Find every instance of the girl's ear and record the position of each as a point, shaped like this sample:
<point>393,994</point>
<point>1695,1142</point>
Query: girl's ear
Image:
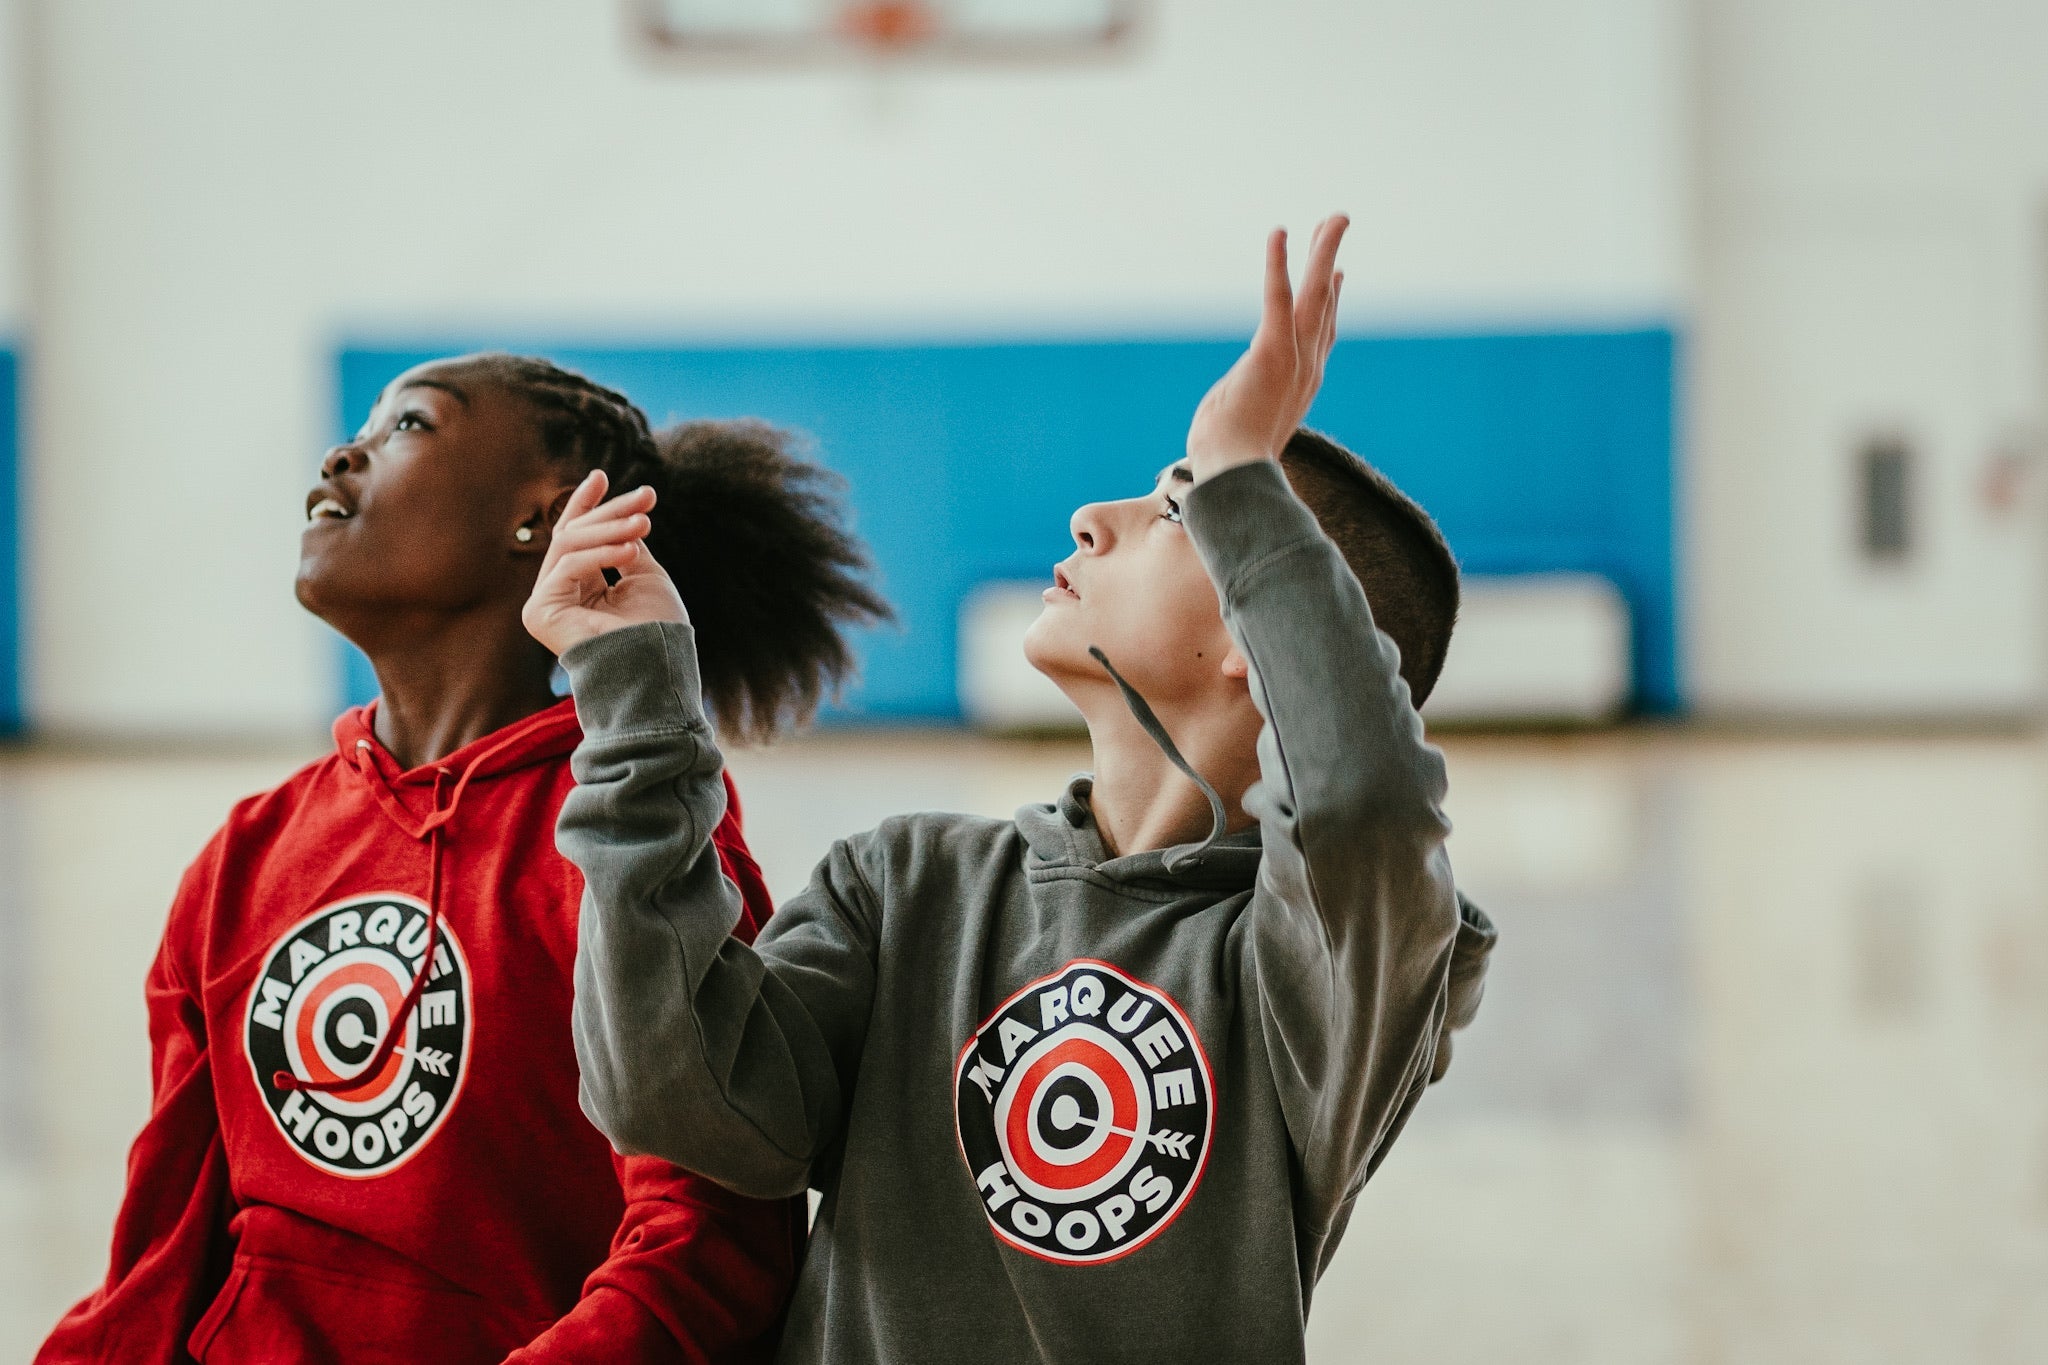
<point>553,513</point>
<point>1235,666</point>
<point>531,536</point>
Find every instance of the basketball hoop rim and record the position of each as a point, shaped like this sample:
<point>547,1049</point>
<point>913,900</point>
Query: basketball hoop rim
<point>1109,43</point>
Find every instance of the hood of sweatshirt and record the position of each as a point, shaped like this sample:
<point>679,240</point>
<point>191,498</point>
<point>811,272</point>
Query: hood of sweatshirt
<point>1065,834</point>
<point>540,738</point>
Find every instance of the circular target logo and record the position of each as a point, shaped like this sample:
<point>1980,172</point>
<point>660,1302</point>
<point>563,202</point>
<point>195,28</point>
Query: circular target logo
<point>330,988</point>
<point>1085,1109</point>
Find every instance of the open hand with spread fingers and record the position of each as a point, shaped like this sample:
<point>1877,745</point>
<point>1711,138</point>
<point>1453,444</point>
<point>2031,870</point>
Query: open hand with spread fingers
<point>573,601</point>
<point>1253,410</point>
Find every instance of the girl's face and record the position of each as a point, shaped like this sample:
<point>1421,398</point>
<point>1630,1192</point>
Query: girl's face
<point>421,512</point>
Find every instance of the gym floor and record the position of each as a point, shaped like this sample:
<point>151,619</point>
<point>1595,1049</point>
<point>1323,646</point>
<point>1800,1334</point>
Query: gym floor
<point>1759,1077</point>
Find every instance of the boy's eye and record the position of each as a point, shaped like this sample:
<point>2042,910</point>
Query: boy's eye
<point>1172,512</point>
<point>412,420</point>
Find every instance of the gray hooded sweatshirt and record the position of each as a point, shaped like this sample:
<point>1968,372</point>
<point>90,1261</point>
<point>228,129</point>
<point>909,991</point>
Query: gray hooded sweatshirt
<point>1058,1105</point>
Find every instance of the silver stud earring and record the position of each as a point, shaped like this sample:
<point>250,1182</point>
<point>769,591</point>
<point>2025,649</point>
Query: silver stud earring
<point>523,534</point>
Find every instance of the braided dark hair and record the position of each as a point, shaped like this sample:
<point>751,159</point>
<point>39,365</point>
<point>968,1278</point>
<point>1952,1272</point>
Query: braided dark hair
<point>753,535</point>
<point>582,423</point>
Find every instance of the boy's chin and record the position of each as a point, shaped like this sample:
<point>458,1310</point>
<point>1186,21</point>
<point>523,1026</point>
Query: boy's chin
<point>1048,649</point>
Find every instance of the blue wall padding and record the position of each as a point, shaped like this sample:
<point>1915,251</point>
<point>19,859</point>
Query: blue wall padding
<point>12,606</point>
<point>1535,452</point>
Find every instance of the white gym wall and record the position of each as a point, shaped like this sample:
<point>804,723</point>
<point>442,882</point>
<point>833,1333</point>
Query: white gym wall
<point>13,176</point>
<point>1874,183</point>
<point>230,189</point>
<point>1840,203</point>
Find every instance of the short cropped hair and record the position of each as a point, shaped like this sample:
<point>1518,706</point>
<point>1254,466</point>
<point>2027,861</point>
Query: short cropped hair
<point>1395,551</point>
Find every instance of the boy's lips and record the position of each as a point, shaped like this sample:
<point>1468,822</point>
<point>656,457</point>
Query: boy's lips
<point>1062,589</point>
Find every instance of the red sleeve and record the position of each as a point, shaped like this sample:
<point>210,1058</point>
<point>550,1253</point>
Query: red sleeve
<point>696,1273</point>
<point>755,903</point>
<point>735,818</point>
<point>171,1250</point>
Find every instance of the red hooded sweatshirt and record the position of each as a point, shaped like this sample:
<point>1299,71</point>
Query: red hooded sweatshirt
<point>444,1199</point>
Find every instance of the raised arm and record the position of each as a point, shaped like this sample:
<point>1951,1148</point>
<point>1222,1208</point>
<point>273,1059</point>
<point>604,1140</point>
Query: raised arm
<point>1354,917</point>
<point>693,1046</point>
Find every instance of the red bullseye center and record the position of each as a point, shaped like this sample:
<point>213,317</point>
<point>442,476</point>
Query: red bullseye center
<point>312,1017</point>
<point>1091,1057</point>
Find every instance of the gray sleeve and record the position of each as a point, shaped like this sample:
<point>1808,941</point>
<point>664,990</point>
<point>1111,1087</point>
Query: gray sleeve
<point>1354,917</point>
<point>729,1060</point>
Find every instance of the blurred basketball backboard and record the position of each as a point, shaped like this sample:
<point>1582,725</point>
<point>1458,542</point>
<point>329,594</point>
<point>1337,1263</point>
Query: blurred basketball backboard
<point>781,31</point>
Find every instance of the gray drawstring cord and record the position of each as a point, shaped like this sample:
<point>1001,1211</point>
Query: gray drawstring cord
<point>1150,723</point>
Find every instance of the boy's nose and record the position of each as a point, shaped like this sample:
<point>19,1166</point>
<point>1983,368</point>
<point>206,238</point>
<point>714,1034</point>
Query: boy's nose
<point>341,460</point>
<point>1090,526</point>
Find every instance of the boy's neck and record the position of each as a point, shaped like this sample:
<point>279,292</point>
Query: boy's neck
<point>454,682</point>
<point>1140,800</point>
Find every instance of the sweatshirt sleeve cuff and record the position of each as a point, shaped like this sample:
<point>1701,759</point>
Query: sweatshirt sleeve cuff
<point>1244,516</point>
<point>638,678</point>
<point>606,1324</point>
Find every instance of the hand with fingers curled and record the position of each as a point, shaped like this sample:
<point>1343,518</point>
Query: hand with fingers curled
<point>1260,403</point>
<point>573,600</point>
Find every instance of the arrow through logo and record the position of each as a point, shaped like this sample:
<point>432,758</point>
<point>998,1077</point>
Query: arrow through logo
<point>1066,1112</point>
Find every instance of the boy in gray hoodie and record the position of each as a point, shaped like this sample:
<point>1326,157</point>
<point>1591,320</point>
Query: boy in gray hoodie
<point>1104,1081</point>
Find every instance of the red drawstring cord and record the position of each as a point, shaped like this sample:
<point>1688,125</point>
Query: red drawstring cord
<point>431,830</point>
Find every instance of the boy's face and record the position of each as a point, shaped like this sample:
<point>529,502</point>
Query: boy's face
<point>1134,588</point>
<point>421,509</point>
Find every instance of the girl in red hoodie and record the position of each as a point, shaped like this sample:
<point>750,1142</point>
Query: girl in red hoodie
<point>365,1144</point>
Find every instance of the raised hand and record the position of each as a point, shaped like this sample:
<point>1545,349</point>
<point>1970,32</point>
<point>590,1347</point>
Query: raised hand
<point>1253,410</point>
<point>572,601</point>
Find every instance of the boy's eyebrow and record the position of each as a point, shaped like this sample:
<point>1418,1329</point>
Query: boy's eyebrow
<point>1179,473</point>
